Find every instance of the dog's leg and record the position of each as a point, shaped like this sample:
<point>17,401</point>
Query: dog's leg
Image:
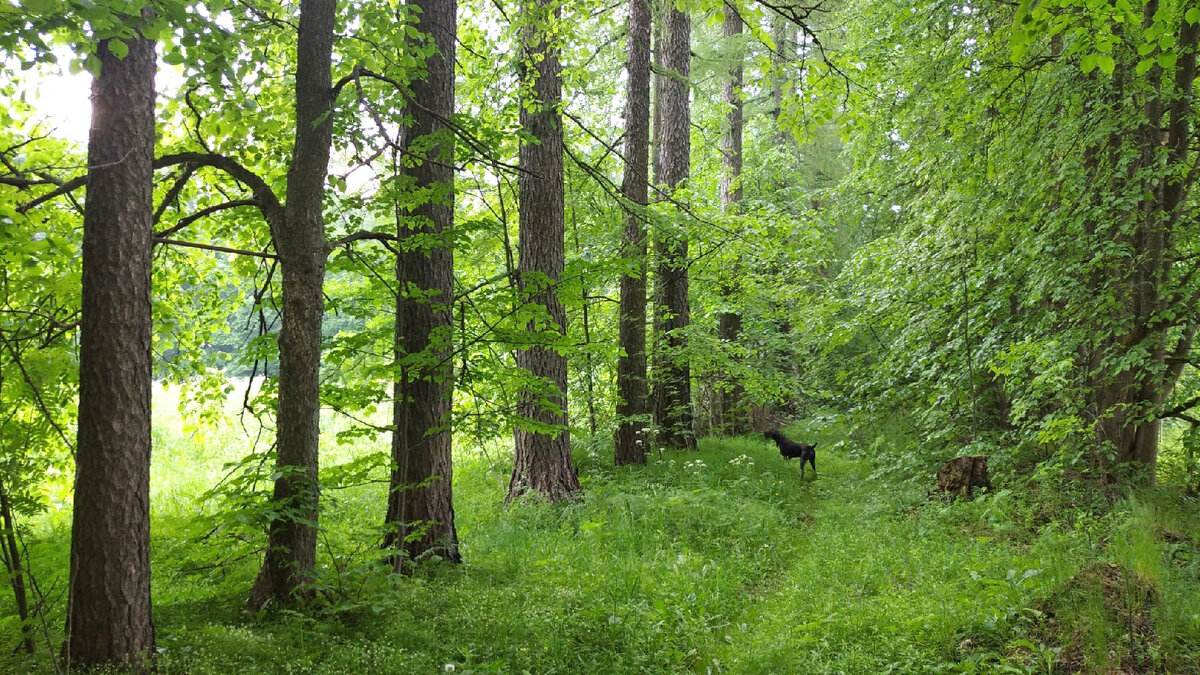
<point>812,459</point>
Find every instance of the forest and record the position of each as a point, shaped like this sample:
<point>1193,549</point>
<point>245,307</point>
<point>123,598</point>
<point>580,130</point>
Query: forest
<point>412,336</point>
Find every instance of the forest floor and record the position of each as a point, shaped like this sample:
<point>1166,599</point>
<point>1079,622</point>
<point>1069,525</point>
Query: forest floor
<point>721,560</point>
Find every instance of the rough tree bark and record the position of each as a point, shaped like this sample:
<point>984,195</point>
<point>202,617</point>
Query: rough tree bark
<point>672,378</point>
<point>543,458</point>
<point>729,322</point>
<point>420,512</point>
<point>731,143</point>
<point>632,396</point>
<point>108,616</point>
<point>300,244</point>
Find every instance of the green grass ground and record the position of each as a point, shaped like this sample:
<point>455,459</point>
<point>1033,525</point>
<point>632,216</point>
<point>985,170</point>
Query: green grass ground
<point>721,560</point>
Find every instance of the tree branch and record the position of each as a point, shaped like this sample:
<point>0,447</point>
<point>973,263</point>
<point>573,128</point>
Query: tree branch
<point>468,138</point>
<point>265,198</point>
<point>188,220</point>
<point>23,183</point>
<point>1182,408</point>
<point>69,186</point>
<point>173,193</point>
<point>211,247</point>
<point>37,395</point>
<point>358,236</point>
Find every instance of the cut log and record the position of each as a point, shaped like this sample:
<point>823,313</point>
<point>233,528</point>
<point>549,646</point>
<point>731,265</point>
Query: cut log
<point>961,475</point>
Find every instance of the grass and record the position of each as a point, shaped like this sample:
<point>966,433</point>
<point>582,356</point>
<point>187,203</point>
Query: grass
<point>721,560</point>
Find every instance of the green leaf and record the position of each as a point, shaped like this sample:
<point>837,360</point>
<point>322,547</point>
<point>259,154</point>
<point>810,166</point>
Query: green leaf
<point>118,48</point>
<point>1144,66</point>
<point>1088,63</point>
<point>1192,15</point>
<point>1106,63</point>
<point>1167,59</point>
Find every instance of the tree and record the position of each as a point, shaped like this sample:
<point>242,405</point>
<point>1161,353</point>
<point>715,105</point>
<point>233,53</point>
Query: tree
<point>420,513</point>
<point>1076,361</point>
<point>299,240</point>
<point>672,377</point>
<point>543,444</point>
<point>783,35</point>
<point>632,395</point>
<point>729,326</point>
<point>1133,369</point>
<point>39,367</point>
<point>109,614</point>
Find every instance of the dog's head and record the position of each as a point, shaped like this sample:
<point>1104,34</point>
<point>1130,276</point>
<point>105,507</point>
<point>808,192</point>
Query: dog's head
<point>772,434</point>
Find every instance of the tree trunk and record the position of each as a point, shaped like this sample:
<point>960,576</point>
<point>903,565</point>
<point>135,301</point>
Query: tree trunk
<point>108,616</point>
<point>673,389</point>
<point>420,513</point>
<point>300,245</point>
<point>729,322</point>
<point>543,445</point>
<point>731,144</point>
<point>588,361</point>
<point>783,33</point>
<point>1127,399</point>
<point>15,567</point>
<point>632,397</point>
<point>658,26</point>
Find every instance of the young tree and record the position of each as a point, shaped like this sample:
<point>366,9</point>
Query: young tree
<point>420,497</point>
<point>543,444</point>
<point>632,397</point>
<point>109,617</point>
<point>672,377</point>
<point>300,244</point>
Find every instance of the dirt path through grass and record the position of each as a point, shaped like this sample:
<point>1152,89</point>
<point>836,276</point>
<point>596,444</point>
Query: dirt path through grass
<point>878,582</point>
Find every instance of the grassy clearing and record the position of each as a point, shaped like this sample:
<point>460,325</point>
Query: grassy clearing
<point>721,560</point>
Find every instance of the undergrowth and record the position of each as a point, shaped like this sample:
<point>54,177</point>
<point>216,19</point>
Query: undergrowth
<point>720,560</point>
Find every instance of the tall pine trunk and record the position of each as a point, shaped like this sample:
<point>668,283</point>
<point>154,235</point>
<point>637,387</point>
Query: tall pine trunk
<point>729,322</point>
<point>300,245</point>
<point>672,377</point>
<point>632,396</point>
<point>420,513</point>
<point>542,455</point>
<point>108,616</point>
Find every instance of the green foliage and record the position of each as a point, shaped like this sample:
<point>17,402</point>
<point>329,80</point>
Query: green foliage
<point>942,249</point>
<point>996,212</point>
<point>721,559</point>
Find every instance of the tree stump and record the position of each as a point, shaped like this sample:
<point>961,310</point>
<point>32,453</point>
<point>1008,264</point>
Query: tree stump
<point>961,475</point>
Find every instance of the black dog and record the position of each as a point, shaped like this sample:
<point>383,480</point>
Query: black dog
<point>790,449</point>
